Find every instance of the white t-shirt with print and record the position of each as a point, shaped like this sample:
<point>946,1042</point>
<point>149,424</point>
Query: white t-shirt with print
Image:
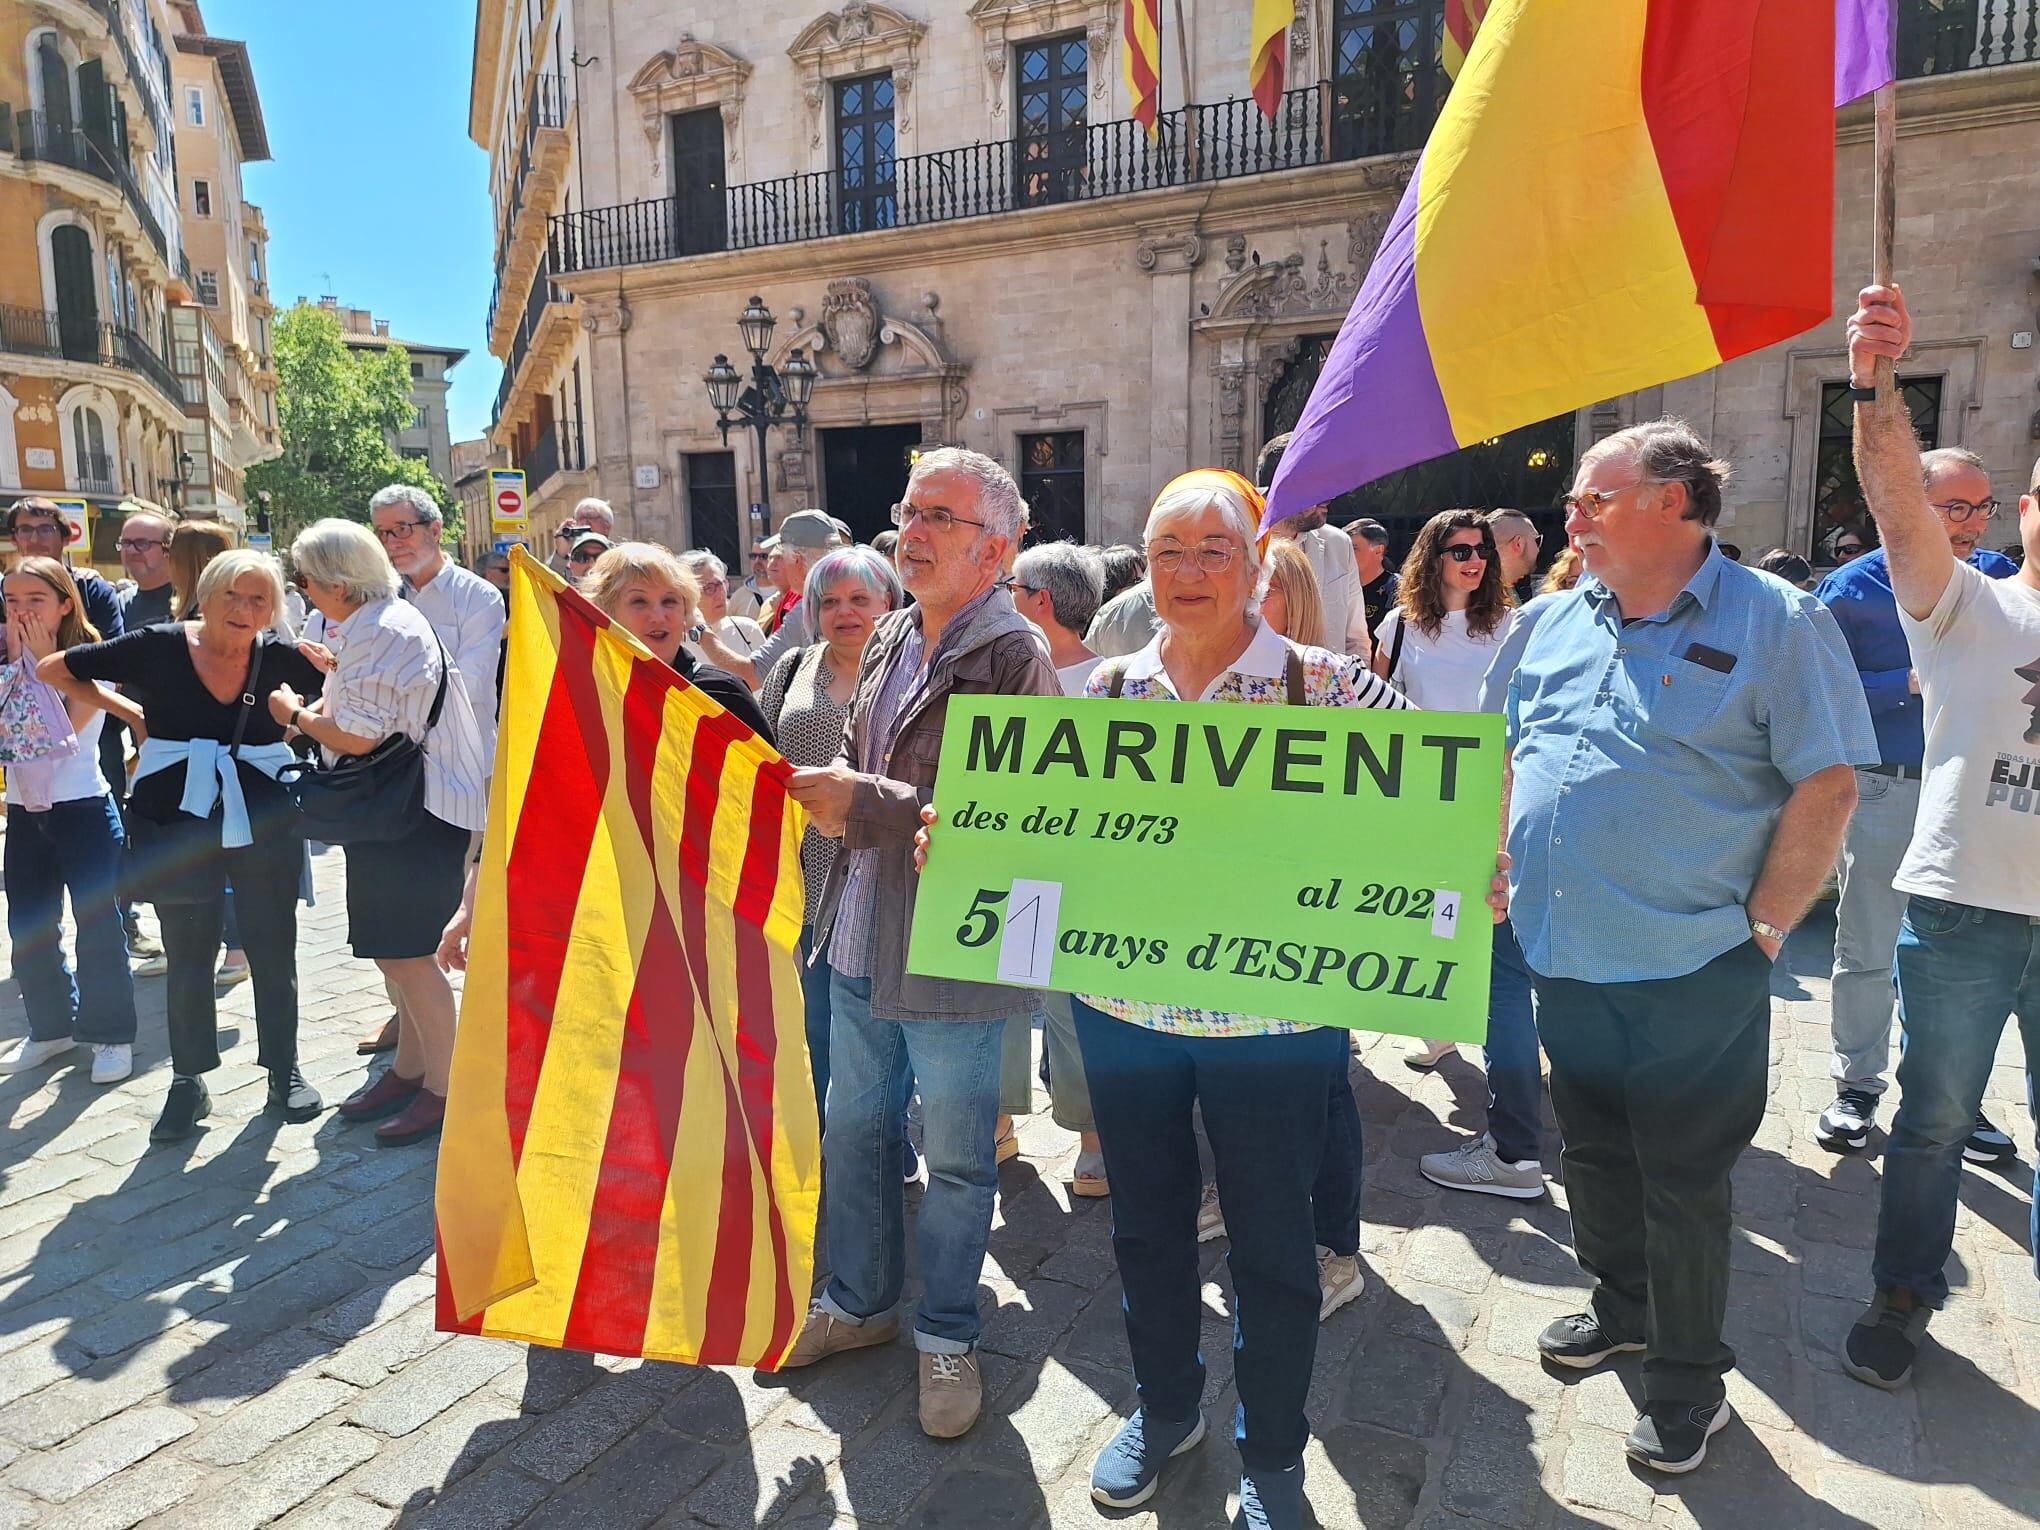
<point>1977,837</point>
<point>1442,673</point>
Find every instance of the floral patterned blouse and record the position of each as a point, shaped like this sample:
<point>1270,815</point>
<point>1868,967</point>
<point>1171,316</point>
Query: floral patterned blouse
<point>1256,677</point>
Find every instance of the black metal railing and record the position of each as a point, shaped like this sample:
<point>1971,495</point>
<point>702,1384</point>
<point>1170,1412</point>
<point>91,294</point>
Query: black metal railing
<point>1943,36</point>
<point>40,332</point>
<point>557,450</point>
<point>543,292</point>
<point>95,475</point>
<point>545,106</point>
<point>58,141</point>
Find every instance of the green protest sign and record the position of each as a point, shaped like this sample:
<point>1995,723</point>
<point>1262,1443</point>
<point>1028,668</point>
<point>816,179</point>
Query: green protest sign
<point>1322,864</point>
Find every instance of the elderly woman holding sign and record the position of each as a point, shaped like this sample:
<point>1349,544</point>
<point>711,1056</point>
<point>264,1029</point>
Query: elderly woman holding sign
<point>1262,1085</point>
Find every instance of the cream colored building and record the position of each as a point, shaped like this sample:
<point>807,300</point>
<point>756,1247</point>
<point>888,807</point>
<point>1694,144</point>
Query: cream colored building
<point>91,256</point>
<point>947,207</point>
<point>428,435</point>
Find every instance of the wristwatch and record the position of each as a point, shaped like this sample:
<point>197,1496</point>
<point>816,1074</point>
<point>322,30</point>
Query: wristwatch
<point>694,633</point>
<point>1768,931</point>
<point>1856,395</point>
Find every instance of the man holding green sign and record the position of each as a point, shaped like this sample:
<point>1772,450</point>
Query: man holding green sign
<point>1225,984</point>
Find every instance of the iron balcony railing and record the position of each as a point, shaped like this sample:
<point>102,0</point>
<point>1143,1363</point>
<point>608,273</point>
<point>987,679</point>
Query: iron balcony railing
<point>545,106</point>
<point>542,292</point>
<point>1943,36</point>
<point>57,141</point>
<point>40,332</point>
<point>557,450</point>
<point>95,475</point>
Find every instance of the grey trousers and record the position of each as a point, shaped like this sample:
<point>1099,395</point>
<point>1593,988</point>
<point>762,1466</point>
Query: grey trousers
<point>1866,928</point>
<point>1069,1095</point>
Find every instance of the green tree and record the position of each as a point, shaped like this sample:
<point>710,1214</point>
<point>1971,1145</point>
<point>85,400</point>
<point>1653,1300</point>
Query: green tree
<point>339,411</point>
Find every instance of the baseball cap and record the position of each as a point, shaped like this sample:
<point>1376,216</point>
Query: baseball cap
<point>809,530</point>
<point>588,537</point>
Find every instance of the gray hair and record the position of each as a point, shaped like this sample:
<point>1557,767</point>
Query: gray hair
<point>1188,499</point>
<point>1950,459</point>
<point>1072,576</point>
<point>999,501</point>
<point>1670,451</point>
<point>404,494</point>
<point>345,553</point>
<point>872,570</point>
<point>704,565</point>
<point>229,566</point>
<point>599,508</point>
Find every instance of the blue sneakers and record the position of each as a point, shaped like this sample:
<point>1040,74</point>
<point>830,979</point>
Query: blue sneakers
<point>1129,1469</point>
<point>1271,1500</point>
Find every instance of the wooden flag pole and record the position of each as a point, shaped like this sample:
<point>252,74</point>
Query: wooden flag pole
<point>1884,205</point>
<point>1190,145</point>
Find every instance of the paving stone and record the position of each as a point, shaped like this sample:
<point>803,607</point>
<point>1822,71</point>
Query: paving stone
<point>631,1486</point>
<point>129,1497</point>
<point>250,1373</point>
<point>1401,1386</point>
<point>249,1317</point>
<point>845,1395</point>
<point>100,1451</point>
<point>1045,1422</point>
<point>337,1511</point>
<point>1872,1497</point>
<point>759,1485</point>
<point>1828,1270</point>
<point>1432,1313</point>
<point>1447,1256</point>
<point>1028,1323</point>
<point>1495,1467</point>
<point>74,1404</point>
<point>366,1360</point>
<point>284,1411</point>
<point>1515,1321</point>
<point>544,1379</point>
<point>569,1439</point>
<point>1854,1422</point>
<point>280,1481</point>
<point>1359,1479</point>
<point>726,1405</point>
<point>490,1500</point>
<point>420,1392</point>
<point>1598,1475</point>
<point>402,1242</point>
<point>373,1306</point>
<point>436,1456</point>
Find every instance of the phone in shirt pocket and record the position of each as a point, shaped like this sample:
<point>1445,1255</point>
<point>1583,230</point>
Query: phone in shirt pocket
<point>1682,693</point>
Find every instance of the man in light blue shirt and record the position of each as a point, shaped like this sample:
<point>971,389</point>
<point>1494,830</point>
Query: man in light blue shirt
<point>1684,732</point>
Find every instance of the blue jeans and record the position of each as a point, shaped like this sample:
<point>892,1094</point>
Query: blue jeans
<point>1515,1117</point>
<point>1961,972</point>
<point>1264,1106</point>
<point>815,974</point>
<point>873,1065</point>
<point>74,845</point>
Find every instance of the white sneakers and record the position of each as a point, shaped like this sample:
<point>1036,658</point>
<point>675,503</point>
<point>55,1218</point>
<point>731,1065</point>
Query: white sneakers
<point>110,1062</point>
<point>26,1054</point>
<point>1476,1166</point>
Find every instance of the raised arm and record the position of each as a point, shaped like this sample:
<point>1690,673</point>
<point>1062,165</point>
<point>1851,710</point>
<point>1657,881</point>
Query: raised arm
<point>1888,459</point>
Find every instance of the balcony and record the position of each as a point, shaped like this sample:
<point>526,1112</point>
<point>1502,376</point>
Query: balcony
<point>557,450</point>
<point>95,475</point>
<point>534,179</point>
<point>543,331</point>
<point>43,139</point>
<point>39,332</point>
<point>1944,36</point>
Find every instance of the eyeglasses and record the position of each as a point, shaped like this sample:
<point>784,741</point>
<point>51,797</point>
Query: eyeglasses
<point>1960,510</point>
<point>140,544</point>
<point>39,529</point>
<point>714,586</point>
<point>1211,557</point>
<point>934,517</point>
<point>1590,502</point>
<point>1466,552</point>
<point>403,531</point>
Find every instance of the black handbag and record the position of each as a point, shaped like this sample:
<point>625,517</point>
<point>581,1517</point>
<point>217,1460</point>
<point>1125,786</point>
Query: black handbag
<point>365,798</point>
<point>160,860</point>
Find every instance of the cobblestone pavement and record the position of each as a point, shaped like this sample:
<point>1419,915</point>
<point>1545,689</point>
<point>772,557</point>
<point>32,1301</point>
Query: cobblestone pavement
<point>238,1331</point>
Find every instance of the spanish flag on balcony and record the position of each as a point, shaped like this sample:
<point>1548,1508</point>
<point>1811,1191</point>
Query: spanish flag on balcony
<point>1616,194</point>
<point>1268,34</point>
<point>631,1159</point>
<point>1462,20</point>
<point>1140,57</point>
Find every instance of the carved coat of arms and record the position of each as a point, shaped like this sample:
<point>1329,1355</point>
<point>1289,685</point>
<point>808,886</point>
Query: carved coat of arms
<point>850,320</point>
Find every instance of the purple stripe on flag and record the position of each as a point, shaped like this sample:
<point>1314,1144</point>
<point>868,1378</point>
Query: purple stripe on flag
<point>1865,38</point>
<point>1376,406</point>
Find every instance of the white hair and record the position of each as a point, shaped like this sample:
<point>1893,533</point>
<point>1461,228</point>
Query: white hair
<point>223,571</point>
<point>999,501</point>
<point>872,570</point>
<point>599,509</point>
<point>699,563</point>
<point>1231,506</point>
<point>345,553</point>
<point>404,494</point>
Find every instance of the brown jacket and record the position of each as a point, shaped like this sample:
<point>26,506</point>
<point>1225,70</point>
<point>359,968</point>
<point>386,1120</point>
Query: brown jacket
<point>999,653</point>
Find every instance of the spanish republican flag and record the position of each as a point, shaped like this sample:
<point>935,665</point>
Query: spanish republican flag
<point>1617,193</point>
<point>1268,68</point>
<point>1140,58</point>
<point>631,1160</point>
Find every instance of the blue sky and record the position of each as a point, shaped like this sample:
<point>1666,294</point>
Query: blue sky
<point>375,193</point>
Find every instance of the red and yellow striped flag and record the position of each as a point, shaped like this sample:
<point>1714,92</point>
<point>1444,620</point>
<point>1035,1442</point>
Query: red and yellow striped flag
<point>1140,58</point>
<point>1462,20</point>
<point>1268,51</point>
<point>631,1159</point>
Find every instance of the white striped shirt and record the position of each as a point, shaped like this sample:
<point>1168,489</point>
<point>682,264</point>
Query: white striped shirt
<point>389,662</point>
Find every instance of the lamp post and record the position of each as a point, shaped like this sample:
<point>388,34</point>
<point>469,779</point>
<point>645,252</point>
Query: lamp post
<point>773,394</point>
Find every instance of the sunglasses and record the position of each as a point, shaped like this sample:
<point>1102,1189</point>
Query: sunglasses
<point>1466,552</point>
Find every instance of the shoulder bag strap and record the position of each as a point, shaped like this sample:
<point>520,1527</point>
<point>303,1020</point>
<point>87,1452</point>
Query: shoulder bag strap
<point>439,697</point>
<point>247,700</point>
<point>1402,626</point>
<point>1292,677</point>
<point>1117,681</point>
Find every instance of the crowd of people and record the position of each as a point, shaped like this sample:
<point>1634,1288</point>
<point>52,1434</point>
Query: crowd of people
<point>1697,746</point>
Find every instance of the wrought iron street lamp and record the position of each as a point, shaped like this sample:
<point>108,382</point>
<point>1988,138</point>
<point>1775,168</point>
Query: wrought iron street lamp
<point>774,396</point>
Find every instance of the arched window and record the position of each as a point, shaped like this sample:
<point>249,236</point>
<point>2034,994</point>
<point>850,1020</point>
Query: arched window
<point>92,463</point>
<point>77,296</point>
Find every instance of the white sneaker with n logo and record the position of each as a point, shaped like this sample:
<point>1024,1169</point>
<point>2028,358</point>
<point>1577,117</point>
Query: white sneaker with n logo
<point>1476,1166</point>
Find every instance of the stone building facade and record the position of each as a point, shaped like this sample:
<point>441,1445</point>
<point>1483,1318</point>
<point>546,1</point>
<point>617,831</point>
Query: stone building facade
<point>947,207</point>
<point>428,435</point>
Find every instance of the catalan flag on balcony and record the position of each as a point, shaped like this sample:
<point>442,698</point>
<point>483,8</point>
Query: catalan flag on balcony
<point>1660,174</point>
<point>1462,20</point>
<point>631,1159</point>
<point>1268,34</point>
<point>1140,58</point>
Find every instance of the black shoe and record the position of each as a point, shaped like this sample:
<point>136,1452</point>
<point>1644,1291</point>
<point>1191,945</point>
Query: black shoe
<point>1672,1436</point>
<point>1578,1341</point>
<point>291,1097</point>
<point>1846,1123</point>
<point>1884,1343</point>
<point>187,1105</point>
<point>1987,1144</point>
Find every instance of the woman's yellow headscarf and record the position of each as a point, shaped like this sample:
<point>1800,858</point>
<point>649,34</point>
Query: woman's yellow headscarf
<point>1220,478</point>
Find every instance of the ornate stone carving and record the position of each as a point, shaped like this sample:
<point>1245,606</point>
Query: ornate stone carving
<point>1363,238</point>
<point>1299,45</point>
<point>1232,408</point>
<point>862,38</point>
<point>1006,22</point>
<point>1281,290</point>
<point>850,319</point>
<point>688,75</point>
<point>1168,254</point>
<point>604,314</point>
<point>1235,253</point>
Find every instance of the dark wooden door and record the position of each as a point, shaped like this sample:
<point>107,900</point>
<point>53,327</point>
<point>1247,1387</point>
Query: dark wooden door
<point>77,293</point>
<point>864,473</point>
<point>700,206</point>
<point>1049,81</point>
<point>865,152</point>
<point>712,506</point>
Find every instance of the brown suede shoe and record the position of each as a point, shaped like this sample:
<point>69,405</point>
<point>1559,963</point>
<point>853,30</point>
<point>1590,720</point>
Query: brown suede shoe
<point>823,1335</point>
<point>952,1394</point>
<point>383,1040</point>
<point>384,1095</point>
<point>421,1119</point>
